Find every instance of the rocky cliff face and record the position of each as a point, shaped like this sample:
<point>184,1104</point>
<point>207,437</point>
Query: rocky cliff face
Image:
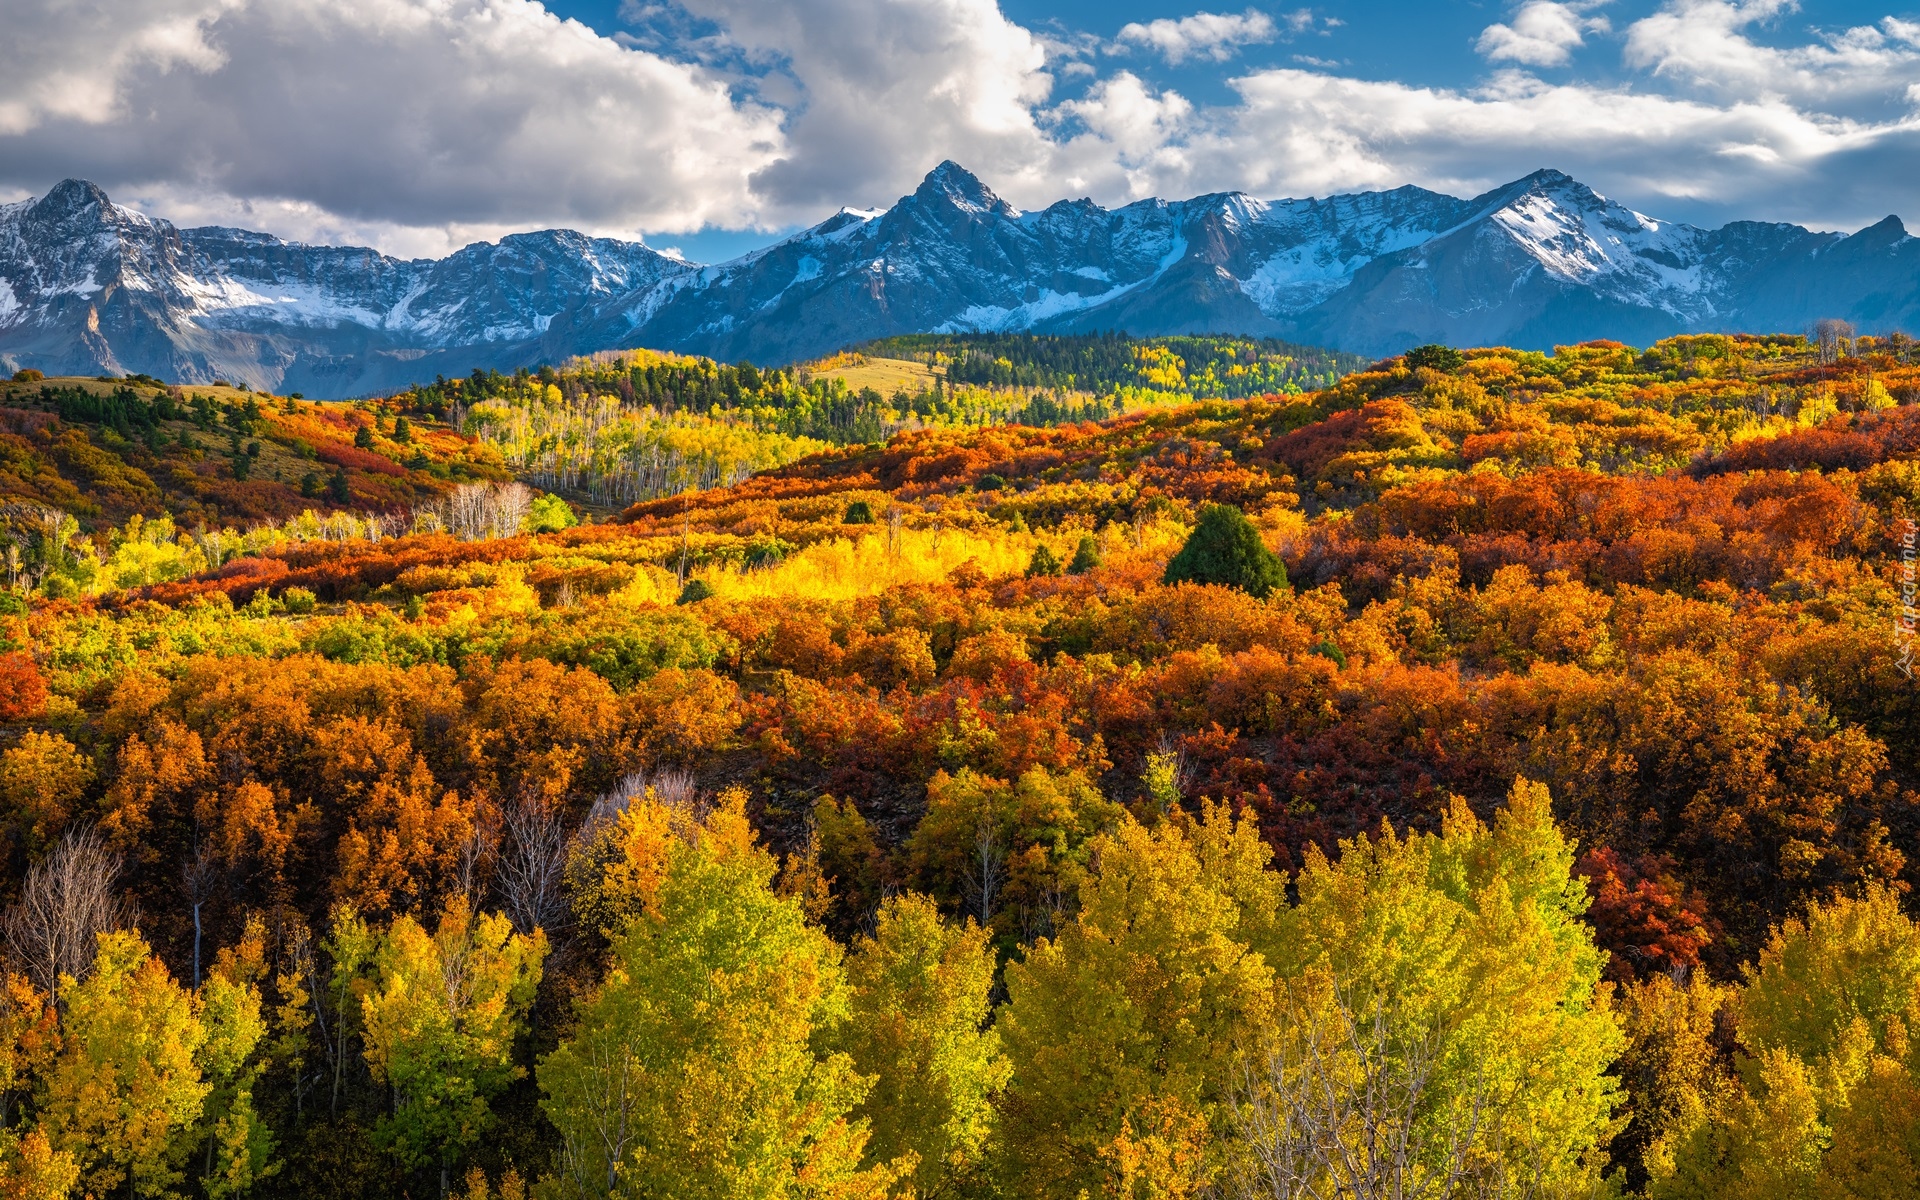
<point>87,286</point>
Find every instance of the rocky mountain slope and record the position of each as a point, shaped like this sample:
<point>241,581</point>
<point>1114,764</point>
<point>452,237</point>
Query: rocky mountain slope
<point>88,286</point>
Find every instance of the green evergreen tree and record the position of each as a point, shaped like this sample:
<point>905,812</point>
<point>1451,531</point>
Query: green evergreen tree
<point>1435,357</point>
<point>1086,555</point>
<point>1043,562</point>
<point>1226,549</point>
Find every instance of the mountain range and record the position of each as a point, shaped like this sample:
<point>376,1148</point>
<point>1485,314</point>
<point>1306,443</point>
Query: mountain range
<point>88,286</point>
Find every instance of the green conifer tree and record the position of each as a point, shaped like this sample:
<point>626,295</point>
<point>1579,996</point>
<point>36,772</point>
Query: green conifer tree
<point>1226,549</point>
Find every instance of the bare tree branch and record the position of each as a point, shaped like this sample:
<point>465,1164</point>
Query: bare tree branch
<point>675,789</point>
<point>529,875</point>
<point>68,900</point>
<point>1344,1106</point>
<point>1833,337</point>
<point>986,870</point>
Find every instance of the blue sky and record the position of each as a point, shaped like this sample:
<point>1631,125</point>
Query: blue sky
<point>715,125</point>
<point>1438,45</point>
<point>1426,43</point>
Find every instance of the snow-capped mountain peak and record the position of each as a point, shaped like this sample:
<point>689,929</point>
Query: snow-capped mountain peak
<point>89,286</point>
<point>953,184</point>
<point>1580,236</point>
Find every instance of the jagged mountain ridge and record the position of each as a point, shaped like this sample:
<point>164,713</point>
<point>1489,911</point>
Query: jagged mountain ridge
<point>88,286</point>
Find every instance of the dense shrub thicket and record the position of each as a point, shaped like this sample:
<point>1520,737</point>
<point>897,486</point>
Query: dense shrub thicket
<point>1490,774</point>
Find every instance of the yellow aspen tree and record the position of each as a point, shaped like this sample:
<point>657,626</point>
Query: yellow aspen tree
<point>693,1072</point>
<point>1671,1072</point>
<point>1875,1153</point>
<point>29,1040</point>
<point>1443,1023</point>
<point>31,1169</point>
<point>126,1091</point>
<point>1825,1102</point>
<point>1765,1143</point>
<point>239,1145</point>
<point>919,995</point>
<point>42,778</point>
<point>1131,1024</point>
<point>442,1014</point>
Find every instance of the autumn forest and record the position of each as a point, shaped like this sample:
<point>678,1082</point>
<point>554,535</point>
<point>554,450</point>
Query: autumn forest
<point>971,768</point>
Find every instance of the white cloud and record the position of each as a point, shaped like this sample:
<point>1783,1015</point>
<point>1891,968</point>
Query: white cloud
<point>414,121</point>
<point>1543,34</point>
<point>417,125</point>
<point>1709,125</point>
<point>1213,36</point>
<point>69,60</point>
<point>1702,44</point>
<point>1308,133</point>
<point>886,89</point>
<point>1129,139</point>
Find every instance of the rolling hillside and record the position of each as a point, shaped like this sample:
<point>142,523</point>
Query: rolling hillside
<point>103,449</point>
<point>1591,661</point>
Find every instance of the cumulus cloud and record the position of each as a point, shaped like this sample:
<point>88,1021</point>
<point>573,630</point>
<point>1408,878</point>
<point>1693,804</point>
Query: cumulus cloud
<point>417,125</point>
<point>1704,44</point>
<point>1544,33</point>
<point>1213,36</point>
<point>883,90</point>
<point>392,118</point>
<point>1120,141</point>
<point>1709,125</point>
<point>1345,133</point>
<point>69,61</point>
<point>1309,133</point>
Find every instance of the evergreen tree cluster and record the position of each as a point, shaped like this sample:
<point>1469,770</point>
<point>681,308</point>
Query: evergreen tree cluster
<point>1105,363</point>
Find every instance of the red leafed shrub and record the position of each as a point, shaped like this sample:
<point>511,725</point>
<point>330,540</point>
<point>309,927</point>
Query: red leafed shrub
<point>357,459</point>
<point>23,693</point>
<point>26,421</point>
<point>1642,914</point>
<point>1852,441</point>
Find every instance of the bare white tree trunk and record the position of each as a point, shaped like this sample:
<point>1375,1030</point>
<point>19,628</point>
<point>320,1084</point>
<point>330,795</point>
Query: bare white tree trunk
<point>530,873</point>
<point>511,504</point>
<point>478,852</point>
<point>986,870</point>
<point>198,878</point>
<point>1345,1107</point>
<point>67,901</point>
<point>606,1096</point>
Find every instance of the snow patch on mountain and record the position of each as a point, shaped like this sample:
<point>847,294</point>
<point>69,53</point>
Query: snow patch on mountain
<point>225,298</point>
<point>1048,305</point>
<point>87,285</point>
